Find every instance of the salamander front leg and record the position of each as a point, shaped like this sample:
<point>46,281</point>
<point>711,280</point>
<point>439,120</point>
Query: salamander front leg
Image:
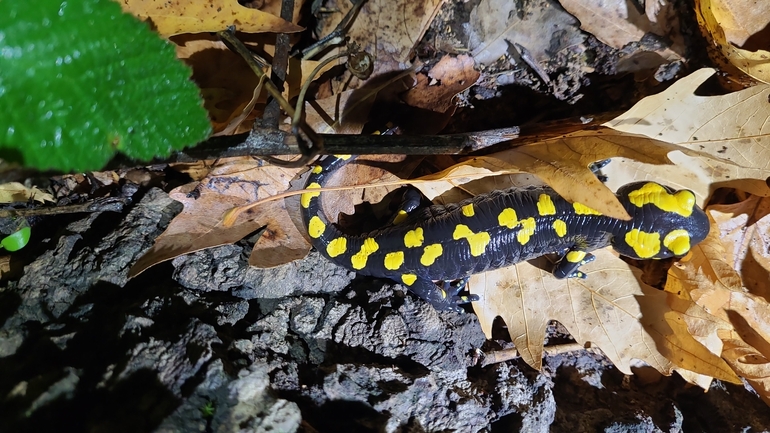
<point>567,266</point>
<point>412,200</point>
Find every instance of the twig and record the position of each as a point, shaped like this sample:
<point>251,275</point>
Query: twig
<point>109,204</point>
<point>498,356</point>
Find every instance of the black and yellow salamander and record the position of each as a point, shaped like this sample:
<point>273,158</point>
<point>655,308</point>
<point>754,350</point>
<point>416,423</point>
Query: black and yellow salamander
<point>490,231</point>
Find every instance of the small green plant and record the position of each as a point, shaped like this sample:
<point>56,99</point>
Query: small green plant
<point>208,409</point>
<point>17,240</point>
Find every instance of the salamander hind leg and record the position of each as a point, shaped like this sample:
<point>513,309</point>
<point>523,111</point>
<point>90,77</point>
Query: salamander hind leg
<point>440,299</point>
<point>569,264</point>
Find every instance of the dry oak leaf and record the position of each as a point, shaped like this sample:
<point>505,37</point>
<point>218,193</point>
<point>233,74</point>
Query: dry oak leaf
<point>716,287</point>
<point>611,309</point>
<point>177,17</point>
<point>561,162</point>
<point>236,182</point>
<point>728,137</point>
<point>754,63</point>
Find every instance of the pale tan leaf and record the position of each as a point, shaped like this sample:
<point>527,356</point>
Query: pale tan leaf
<point>730,135</point>
<point>13,192</point>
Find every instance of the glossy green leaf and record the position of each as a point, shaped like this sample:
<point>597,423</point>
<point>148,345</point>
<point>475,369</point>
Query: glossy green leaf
<point>81,80</point>
<point>17,240</point>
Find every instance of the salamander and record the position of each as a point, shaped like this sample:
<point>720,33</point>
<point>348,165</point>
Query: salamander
<point>501,228</point>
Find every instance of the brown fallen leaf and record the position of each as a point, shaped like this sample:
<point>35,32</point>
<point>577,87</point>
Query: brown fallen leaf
<point>436,90</point>
<point>200,225</point>
<point>173,18</point>
<point>729,133</point>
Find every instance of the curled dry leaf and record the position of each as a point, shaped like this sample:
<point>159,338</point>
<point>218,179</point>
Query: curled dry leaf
<point>740,19</point>
<point>173,18</point>
<point>745,232</point>
<point>712,15</point>
<point>347,112</point>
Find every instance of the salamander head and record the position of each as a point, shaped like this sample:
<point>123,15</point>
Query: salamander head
<point>665,223</point>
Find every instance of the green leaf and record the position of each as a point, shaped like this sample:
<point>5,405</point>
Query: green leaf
<point>80,80</point>
<point>16,240</point>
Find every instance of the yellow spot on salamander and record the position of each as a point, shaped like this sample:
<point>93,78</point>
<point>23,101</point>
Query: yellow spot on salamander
<point>394,260</point>
<point>526,231</point>
<point>560,227</point>
<point>317,169</point>
<point>508,218</point>
<point>545,205</point>
<point>304,200</point>
<point>400,217</point>
<point>645,244</point>
<point>576,256</point>
<point>409,279</point>
<point>681,202</point>
<point>316,227</point>
<point>476,241</point>
<point>336,247</point>
<point>343,157</point>
<point>678,241</point>
<point>582,209</point>
<point>358,261</point>
<point>413,238</point>
<point>468,210</point>
<point>430,254</point>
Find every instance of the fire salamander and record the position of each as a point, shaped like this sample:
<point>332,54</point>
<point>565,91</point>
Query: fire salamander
<point>490,231</point>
